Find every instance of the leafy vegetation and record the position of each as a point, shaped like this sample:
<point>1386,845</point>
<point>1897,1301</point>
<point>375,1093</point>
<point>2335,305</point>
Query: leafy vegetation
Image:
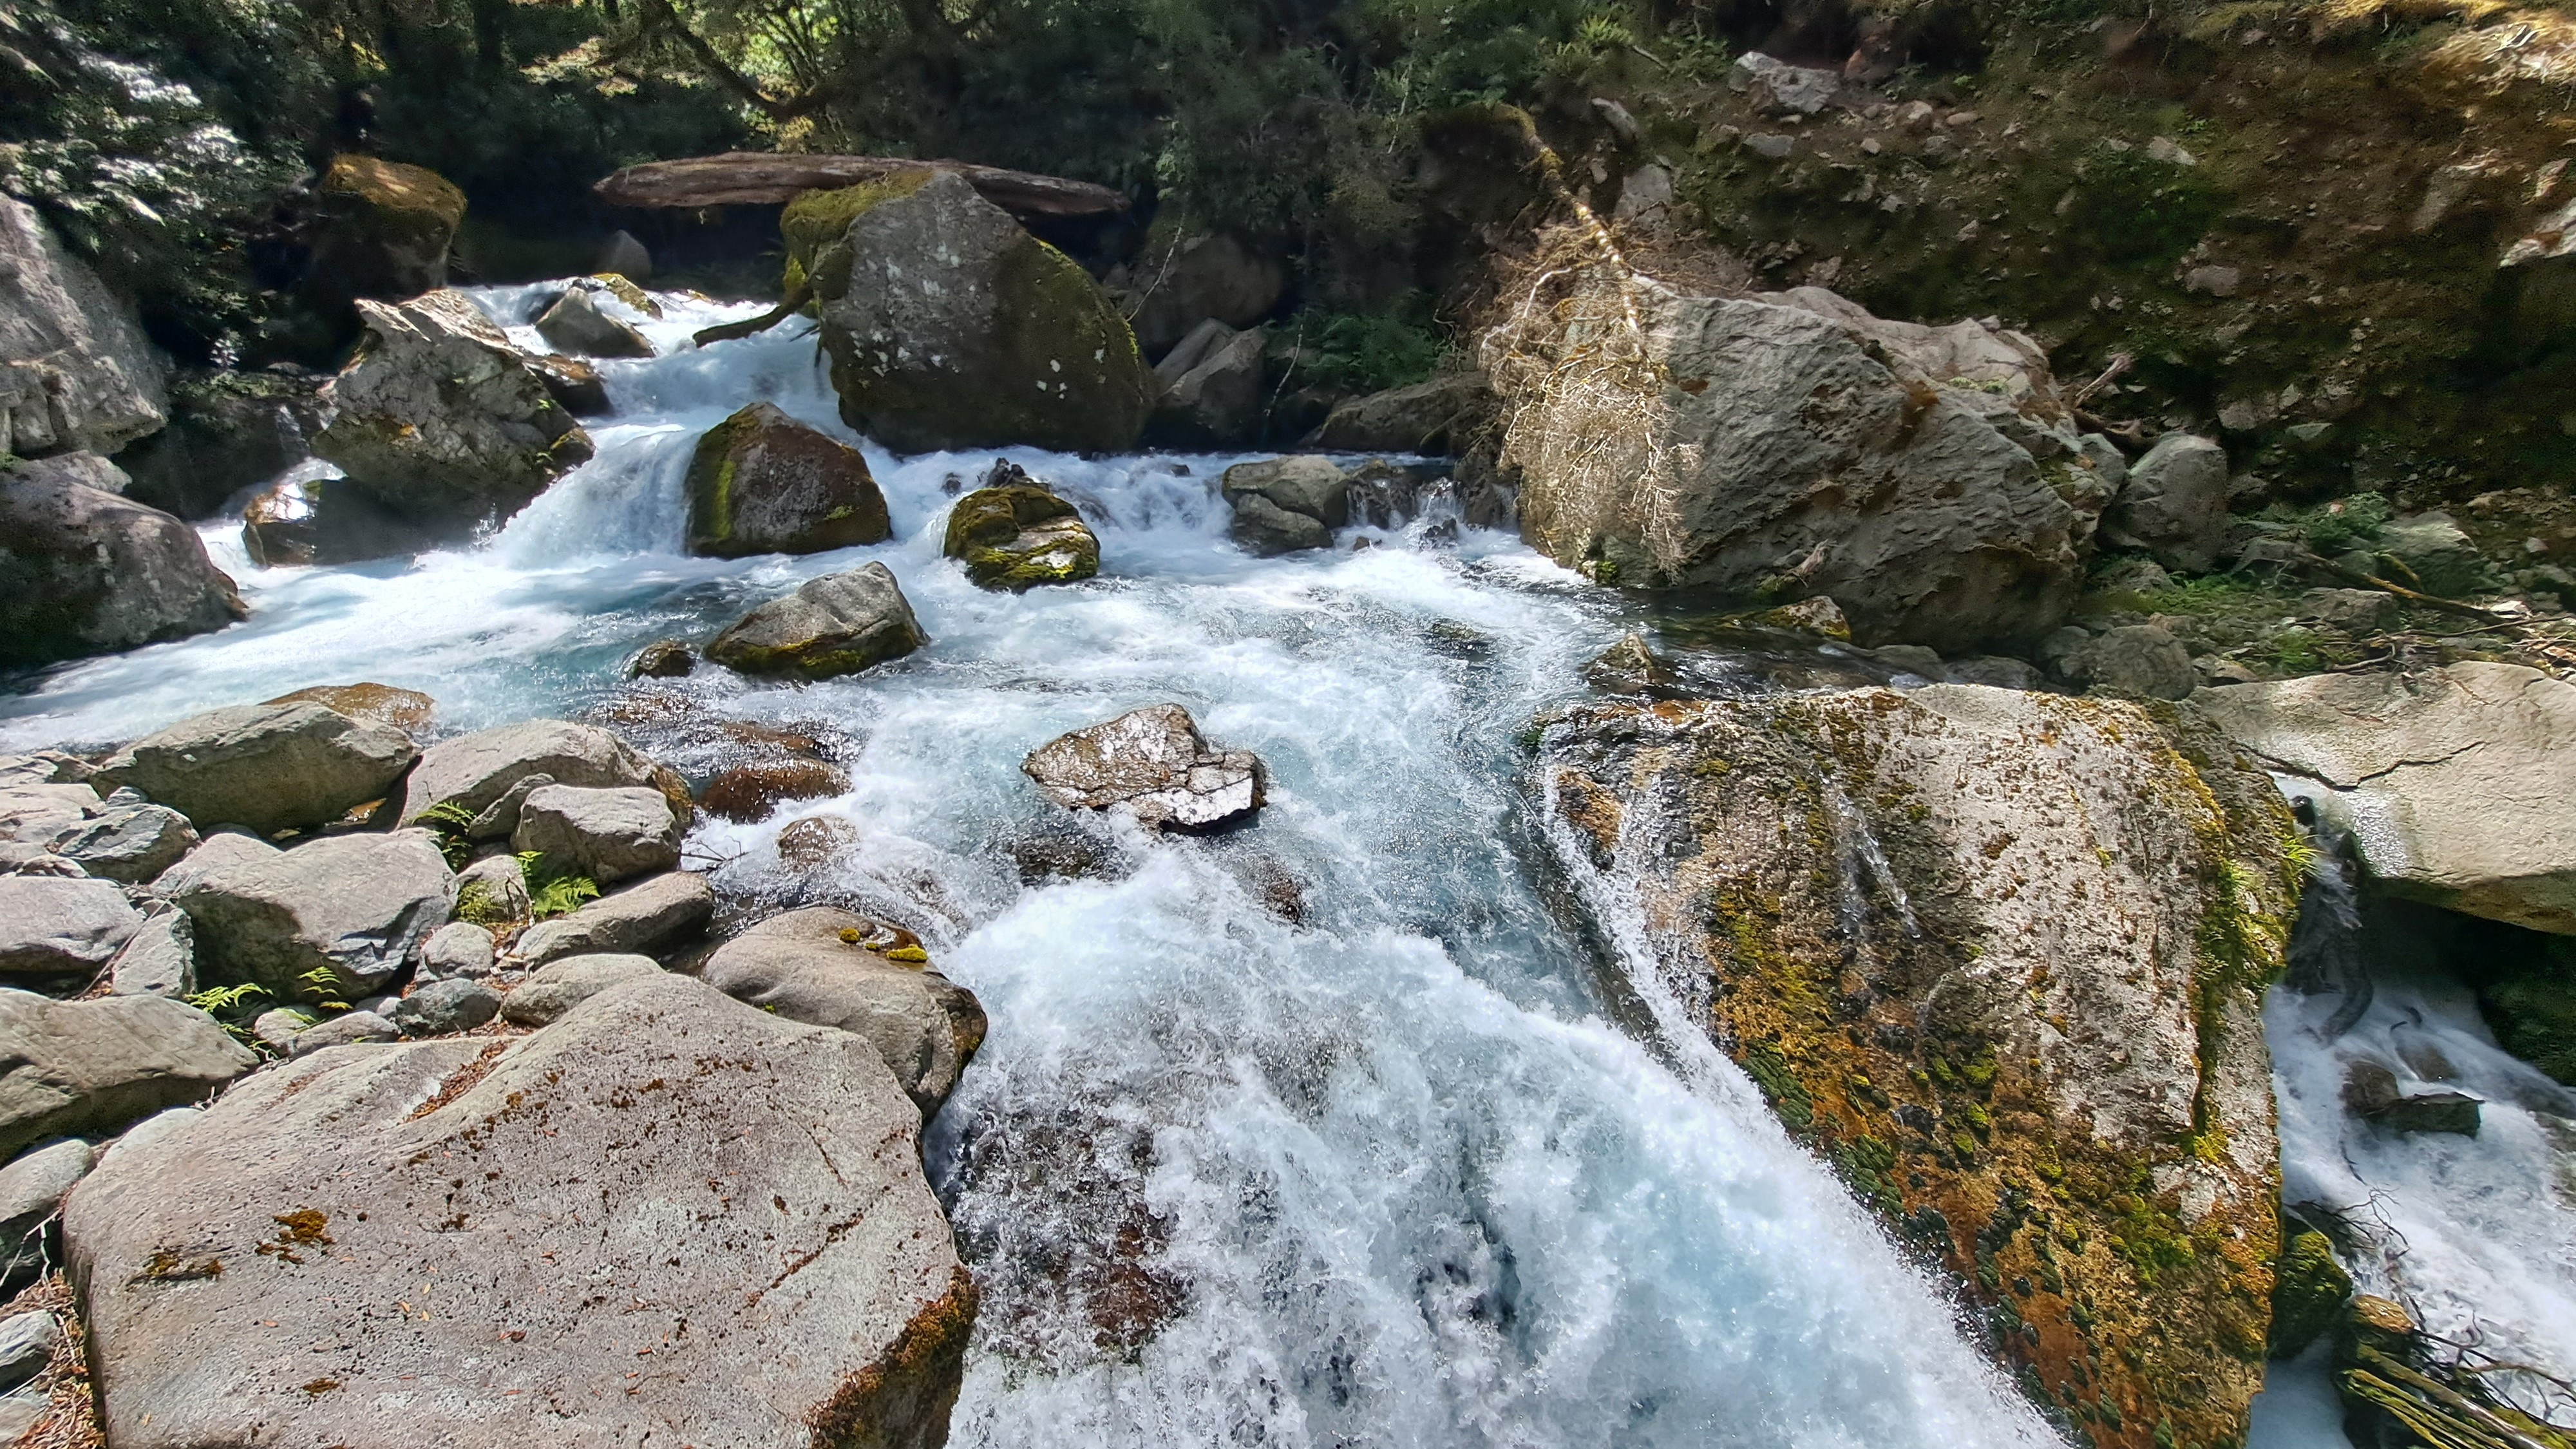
<point>1367,352</point>
<point>553,890</point>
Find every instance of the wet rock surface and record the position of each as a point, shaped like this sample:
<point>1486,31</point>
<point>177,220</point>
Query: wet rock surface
<point>1015,534</point>
<point>1287,504</point>
<point>837,624</point>
<point>831,967</point>
<point>762,482</point>
<point>84,571</point>
<point>1152,764</point>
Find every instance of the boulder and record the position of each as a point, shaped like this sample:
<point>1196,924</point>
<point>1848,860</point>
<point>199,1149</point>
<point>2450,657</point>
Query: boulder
<point>2453,783</point>
<point>1438,416</point>
<point>459,948</point>
<point>407,710</point>
<point>1015,534</point>
<point>1776,85</point>
<point>2441,558</point>
<point>32,1189</point>
<point>228,431</point>
<point>623,256</point>
<point>607,835</point>
<point>1210,389</point>
<point>949,326</point>
<point>159,959</point>
<point>687,1222</point>
<point>643,917</point>
<point>1287,504</point>
<point>57,928</point>
<point>93,1066</point>
<point>468,774</point>
<point>1801,446</point>
<point>334,919</point>
<point>444,1008</point>
<point>1152,764</point>
<point>831,968</point>
<point>579,323</point>
<point>1998,957</point>
<point>2133,659</point>
<point>837,624</point>
<point>129,843</point>
<point>346,1029</point>
<point>749,793</point>
<point>663,659</point>
<point>298,522</point>
<point>1187,281</point>
<point>27,1344</point>
<point>383,231</point>
<point>267,767</point>
<point>75,370</point>
<point>440,417</point>
<point>34,810</point>
<point>762,482</point>
<point>2174,504</point>
<point>559,986</point>
<point>84,571</point>
<point>572,383</point>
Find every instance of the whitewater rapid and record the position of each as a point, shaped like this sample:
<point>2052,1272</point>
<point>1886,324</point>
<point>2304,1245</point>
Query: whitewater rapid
<point>1384,1174</point>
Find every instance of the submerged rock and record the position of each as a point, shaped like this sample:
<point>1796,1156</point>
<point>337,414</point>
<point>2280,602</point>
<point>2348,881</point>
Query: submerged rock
<point>267,767</point>
<point>1287,504</point>
<point>577,324</point>
<point>308,521</point>
<point>951,327</point>
<point>753,1184</point>
<point>1153,764</point>
<point>1924,477</point>
<point>1014,534</point>
<point>69,1067</point>
<point>2454,784</point>
<point>762,482</point>
<point>1997,956</point>
<point>837,624</point>
<point>832,968</point>
<point>84,571</point>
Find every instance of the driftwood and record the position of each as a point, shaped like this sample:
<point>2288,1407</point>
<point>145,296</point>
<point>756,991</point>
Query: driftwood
<point>787,307</point>
<point>742,178</point>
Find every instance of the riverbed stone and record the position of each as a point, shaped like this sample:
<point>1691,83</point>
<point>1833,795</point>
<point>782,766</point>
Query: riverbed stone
<point>762,482</point>
<point>84,571</point>
<point>1288,503</point>
<point>265,767</point>
<point>1999,957</point>
<point>607,835</point>
<point>58,929</point>
<point>93,1066</point>
<point>459,948</point>
<point>131,843</point>
<point>159,959</point>
<point>32,1188</point>
<point>2453,782</point>
<point>837,624</point>
<point>346,1029</point>
<point>2174,504</point>
<point>754,1183</point>
<point>579,323</point>
<point>443,1008</point>
<point>835,968</point>
<point>641,918</point>
<point>561,985</point>
<point>1153,764</point>
<point>949,326</point>
<point>492,892</point>
<point>1014,534</point>
<point>331,920</point>
<point>472,771</point>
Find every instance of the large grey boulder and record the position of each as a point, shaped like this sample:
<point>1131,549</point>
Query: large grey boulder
<point>685,1221</point>
<point>1438,416</point>
<point>61,929</point>
<point>32,1188</point>
<point>762,482</point>
<point>69,1067</point>
<point>350,907</point>
<point>562,985</point>
<point>1792,445</point>
<point>2454,783</point>
<point>75,370</point>
<point>1986,950</point>
<point>1287,504</point>
<point>83,571</point>
<point>128,843</point>
<point>638,919</point>
<point>1151,764</point>
<point>159,959</point>
<point>443,1008</point>
<point>2174,504</point>
<point>267,767</point>
<point>607,835</point>
<point>440,416</point>
<point>833,968</point>
<point>837,624</point>
<point>472,772</point>
<point>949,326</point>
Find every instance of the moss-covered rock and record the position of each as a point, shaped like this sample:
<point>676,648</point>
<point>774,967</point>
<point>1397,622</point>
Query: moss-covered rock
<point>2532,1008</point>
<point>1998,958</point>
<point>837,624</point>
<point>762,482</point>
<point>385,230</point>
<point>949,326</point>
<point>2308,1294</point>
<point>1017,535</point>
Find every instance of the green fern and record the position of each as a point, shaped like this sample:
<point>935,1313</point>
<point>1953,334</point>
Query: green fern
<point>476,905</point>
<point>449,821</point>
<point>322,987</point>
<point>552,891</point>
<point>216,1001</point>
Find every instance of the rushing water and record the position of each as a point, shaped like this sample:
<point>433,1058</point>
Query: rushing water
<point>1382,1174</point>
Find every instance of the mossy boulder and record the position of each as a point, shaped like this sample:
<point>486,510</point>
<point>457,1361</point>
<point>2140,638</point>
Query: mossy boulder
<point>762,482</point>
<point>949,326</point>
<point>2308,1294</point>
<point>1998,958</point>
<point>1015,535</point>
<point>384,233</point>
<point>837,624</point>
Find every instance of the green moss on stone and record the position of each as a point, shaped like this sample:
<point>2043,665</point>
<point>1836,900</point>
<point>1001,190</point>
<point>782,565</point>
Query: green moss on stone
<point>816,219</point>
<point>2308,1294</point>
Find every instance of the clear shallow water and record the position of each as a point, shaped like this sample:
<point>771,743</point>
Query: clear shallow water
<point>1381,1176</point>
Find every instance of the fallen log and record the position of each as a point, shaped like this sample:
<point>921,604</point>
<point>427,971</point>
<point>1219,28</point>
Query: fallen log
<point>743,178</point>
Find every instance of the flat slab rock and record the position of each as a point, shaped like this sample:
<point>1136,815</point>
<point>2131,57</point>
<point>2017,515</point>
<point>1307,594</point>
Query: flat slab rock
<point>667,1219</point>
<point>1153,764</point>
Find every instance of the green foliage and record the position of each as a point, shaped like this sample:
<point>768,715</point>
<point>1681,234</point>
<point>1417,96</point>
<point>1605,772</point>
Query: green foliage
<point>552,889</point>
<point>323,987</point>
<point>1436,54</point>
<point>448,820</point>
<point>476,905</point>
<point>2532,1008</point>
<point>2134,208</point>
<point>1366,352</point>
<point>1769,1069</point>
<point>2337,527</point>
<point>223,1000</point>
